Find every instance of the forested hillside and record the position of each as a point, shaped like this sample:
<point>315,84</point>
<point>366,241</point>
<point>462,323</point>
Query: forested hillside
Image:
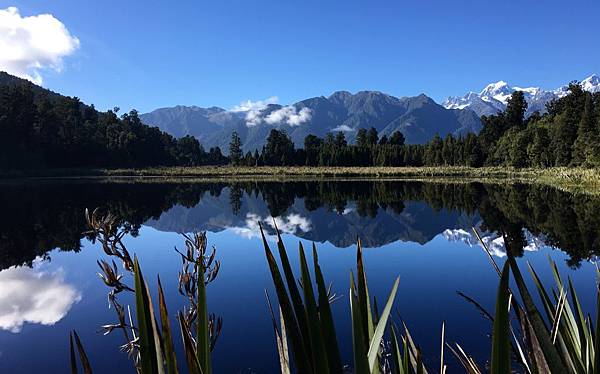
<point>41,129</point>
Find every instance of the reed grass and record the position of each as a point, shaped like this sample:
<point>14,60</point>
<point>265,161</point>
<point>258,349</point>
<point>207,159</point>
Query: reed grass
<point>560,338</point>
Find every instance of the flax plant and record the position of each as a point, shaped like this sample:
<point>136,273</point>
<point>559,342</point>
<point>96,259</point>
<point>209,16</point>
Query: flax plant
<point>151,347</point>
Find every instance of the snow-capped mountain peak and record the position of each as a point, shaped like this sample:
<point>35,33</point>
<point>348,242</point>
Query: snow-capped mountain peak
<point>494,97</point>
<point>500,91</point>
<point>591,83</point>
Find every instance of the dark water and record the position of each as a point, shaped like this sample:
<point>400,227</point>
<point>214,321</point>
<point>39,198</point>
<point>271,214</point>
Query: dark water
<point>420,231</point>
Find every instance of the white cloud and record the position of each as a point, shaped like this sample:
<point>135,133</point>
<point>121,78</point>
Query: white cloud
<point>287,114</point>
<point>344,128</point>
<point>253,109</point>
<point>33,296</point>
<point>31,44</point>
<point>251,229</point>
<point>290,115</point>
<point>290,224</point>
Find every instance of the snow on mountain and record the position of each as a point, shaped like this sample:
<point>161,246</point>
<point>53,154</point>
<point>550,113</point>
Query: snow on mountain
<point>492,240</point>
<point>494,97</point>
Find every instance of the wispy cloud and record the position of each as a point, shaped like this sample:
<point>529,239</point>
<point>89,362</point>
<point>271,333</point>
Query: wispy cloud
<point>31,44</point>
<point>344,128</point>
<point>250,105</point>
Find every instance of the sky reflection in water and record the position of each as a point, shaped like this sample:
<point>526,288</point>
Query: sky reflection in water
<point>418,231</point>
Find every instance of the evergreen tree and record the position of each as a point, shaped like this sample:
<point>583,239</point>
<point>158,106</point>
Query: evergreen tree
<point>562,140</point>
<point>448,150</point>
<point>518,150</point>
<point>340,140</point>
<point>538,150</point>
<point>587,135</point>
<point>361,138</point>
<point>372,136</point>
<point>515,110</point>
<point>312,147</point>
<point>279,149</point>
<point>433,153</point>
<point>397,138</point>
<point>235,149</point>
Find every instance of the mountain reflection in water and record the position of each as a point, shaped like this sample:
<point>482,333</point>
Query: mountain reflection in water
<point>41,217</point>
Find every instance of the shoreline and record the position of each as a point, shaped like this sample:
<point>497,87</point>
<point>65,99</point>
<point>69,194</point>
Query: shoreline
<point>571,179</point>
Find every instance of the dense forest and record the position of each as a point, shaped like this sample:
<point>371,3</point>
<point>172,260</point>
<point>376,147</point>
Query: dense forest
<point>568,134</point>
<point>41,129</point>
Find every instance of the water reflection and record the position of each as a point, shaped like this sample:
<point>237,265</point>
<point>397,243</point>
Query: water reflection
<point>494,241</point>
<point>421,231</point>
<point>41,217</point>
<point>33,295</point>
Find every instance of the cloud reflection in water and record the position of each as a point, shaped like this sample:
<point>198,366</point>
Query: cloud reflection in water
<point>34,296</point>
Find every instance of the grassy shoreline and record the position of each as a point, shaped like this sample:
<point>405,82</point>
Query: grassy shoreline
<point>572,179</point>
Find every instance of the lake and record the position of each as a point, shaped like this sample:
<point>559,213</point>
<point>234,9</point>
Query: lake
<point>421,231</point>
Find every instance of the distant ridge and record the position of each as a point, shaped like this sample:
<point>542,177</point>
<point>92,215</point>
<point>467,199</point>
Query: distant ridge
<point>419,118</point>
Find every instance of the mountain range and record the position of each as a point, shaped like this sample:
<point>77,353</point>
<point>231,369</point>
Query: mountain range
<point>419,118</point>
<point>494,97</point>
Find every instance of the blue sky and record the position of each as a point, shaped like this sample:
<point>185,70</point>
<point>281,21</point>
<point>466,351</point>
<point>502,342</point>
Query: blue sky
<point>149,54</point>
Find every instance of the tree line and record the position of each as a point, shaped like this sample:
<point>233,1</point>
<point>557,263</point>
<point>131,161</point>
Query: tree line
<point>568,134</point>
<point>39,129</point>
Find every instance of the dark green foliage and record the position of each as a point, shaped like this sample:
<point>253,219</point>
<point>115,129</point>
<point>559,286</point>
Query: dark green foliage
<point>515,110</point>
<point>279,149</point>
<point>397,138</point>
<point>361,137</point>
<point>40,129</point>
<point>586,143</point>
<point>235,149</point>
<point>372,136</point>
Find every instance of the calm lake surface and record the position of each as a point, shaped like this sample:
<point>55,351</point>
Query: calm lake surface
<point>420,231</point>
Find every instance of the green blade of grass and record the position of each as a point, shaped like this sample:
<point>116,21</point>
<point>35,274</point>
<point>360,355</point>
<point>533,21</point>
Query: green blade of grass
<point>500,337</point>
<point>579,318</point>
<point>298,306</point>
<point>364,302</point>
<point>361,363</point>
<point>397,364</point>
<point>148,354</point>
<point>326,317</point>
<point>374,345</point>
<point>312,317</point>
<point>280,338</point>
<point>189,348</point>
<point>301,358</point>
<point>551,355</point>
<point>167,336</point>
